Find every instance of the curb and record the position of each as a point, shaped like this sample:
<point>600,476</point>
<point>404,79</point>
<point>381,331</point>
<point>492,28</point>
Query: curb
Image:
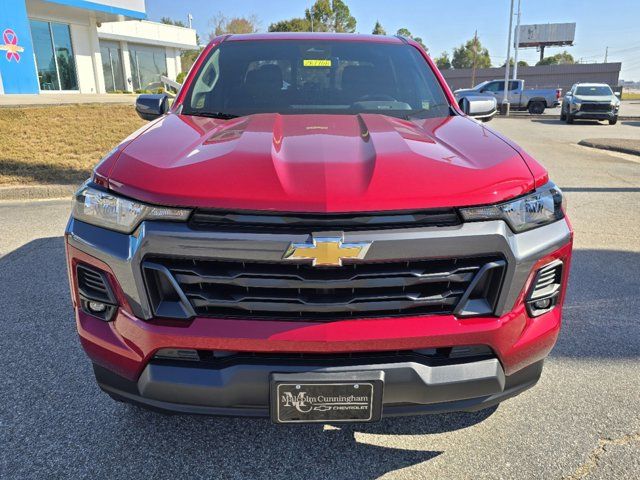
<point>528,116</point>
<point>611,147</point>
<point>37,192</point>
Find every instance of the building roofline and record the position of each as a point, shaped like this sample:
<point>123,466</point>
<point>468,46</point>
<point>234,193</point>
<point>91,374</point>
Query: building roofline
<point>87,5</point>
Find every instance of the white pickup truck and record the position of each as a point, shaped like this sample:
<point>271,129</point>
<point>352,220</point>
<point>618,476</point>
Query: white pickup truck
<point>534,100</point>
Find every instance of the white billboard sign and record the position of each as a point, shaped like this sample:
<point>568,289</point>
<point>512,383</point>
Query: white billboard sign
<point>546,34</point>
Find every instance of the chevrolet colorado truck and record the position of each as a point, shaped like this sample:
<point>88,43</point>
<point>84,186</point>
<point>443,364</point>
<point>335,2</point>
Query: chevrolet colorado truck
<point>534,100</point>
<point>314,231</point>
<point>590,101</point>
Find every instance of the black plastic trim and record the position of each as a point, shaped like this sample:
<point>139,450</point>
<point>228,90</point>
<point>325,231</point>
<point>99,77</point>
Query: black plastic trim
<point>448,398</point>
<point>300,222</point>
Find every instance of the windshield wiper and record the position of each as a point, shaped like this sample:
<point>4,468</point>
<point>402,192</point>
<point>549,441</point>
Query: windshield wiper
<point>419,112</point>
<point>220,115</point>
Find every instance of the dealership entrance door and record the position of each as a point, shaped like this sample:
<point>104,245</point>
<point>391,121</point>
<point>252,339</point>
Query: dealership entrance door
<point>111,54</point>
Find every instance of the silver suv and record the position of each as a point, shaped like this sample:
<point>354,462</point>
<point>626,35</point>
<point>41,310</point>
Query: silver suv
<point>590,101</point>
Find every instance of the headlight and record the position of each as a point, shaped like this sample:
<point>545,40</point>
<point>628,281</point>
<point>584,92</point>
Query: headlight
<point>531,211</point>
<point>107,210</point>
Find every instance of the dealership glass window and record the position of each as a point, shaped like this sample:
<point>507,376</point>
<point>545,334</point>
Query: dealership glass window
<point>147,65</point>
<point>54,55</point>
<point>112,66</point>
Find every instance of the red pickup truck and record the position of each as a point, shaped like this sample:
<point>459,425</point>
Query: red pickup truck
<point>315,231</point>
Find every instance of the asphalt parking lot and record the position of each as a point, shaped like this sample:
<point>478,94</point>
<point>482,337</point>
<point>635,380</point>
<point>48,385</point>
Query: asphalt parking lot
<point>580,421</point>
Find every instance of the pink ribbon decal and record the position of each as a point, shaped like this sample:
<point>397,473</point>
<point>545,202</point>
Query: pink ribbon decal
<point>11,45</point>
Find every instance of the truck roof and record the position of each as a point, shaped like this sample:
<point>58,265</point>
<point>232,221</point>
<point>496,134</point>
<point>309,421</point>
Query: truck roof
<point>343,37</point>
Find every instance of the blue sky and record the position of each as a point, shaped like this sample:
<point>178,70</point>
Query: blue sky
<point>444,25</point>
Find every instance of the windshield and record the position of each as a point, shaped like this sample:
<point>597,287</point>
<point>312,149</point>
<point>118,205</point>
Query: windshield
<point>245,77</point>
<point>594,91</point>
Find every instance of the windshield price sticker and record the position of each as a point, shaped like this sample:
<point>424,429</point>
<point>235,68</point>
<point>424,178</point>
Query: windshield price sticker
<point>316,63</point>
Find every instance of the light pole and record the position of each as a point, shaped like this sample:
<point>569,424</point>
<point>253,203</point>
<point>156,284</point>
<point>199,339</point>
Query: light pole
<point>517,44</point>
<point>505,97</point>
<point>311,15</point>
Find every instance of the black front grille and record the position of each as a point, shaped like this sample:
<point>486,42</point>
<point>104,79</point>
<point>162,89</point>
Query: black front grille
<point>288,290</point>
<point>596,107</point>
<point>305,222</point>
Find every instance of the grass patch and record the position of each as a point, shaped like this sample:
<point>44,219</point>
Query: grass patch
<point>60,144</point>
<point>630,96</point>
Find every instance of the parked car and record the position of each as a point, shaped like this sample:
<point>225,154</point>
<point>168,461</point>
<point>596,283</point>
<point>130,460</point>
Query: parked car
<point>535,101</point>
<point>590,101</point>
<point>316,232</point>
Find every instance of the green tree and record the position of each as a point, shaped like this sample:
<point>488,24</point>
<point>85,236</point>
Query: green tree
<point>443,61</point>
<point>223,25</point>
<point>188,58</point>
<point>292,25</point>
<point>558,59</point>
<point>330,16</point>
<point>521,63</point>
<point>378,30</point>
<point>463,55</point>
<point>404,32</point>
<point>171,21</point>
<point>343,21</point>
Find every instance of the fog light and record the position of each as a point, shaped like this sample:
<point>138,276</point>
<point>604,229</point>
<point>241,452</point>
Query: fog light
<point>542,304</point>
<point>97,307</point>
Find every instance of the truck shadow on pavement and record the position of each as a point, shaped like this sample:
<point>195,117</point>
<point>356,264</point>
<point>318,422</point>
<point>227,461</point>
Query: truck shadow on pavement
<point>557,121</point>
<point>55,423</point>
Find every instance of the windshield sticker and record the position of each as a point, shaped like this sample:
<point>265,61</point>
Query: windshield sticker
<point>316,63</point>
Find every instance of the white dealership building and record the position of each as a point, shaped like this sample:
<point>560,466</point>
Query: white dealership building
<point>78,46</point>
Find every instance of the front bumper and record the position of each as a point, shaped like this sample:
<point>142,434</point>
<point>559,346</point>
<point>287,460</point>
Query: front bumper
<point>123,349</point>
<point>409,388</point>
<point>587,115</point>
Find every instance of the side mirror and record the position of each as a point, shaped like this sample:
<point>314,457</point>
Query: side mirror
<point>617,94</point>
<point>150,107</point>
<point>480,107</point>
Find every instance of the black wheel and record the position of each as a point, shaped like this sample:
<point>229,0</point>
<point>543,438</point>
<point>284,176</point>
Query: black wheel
<point>536,108</point>
<point>569,118</point>
<point>613,121</point>
<point>563,116</point>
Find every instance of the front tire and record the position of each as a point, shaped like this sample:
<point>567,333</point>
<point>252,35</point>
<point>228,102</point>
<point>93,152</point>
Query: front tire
<point>563,116</point>
<point>569,119</point>
<point>536,108</point>
<point>613,121</point>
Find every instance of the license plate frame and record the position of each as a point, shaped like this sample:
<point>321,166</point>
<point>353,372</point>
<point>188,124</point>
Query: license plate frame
<point>341,397</point>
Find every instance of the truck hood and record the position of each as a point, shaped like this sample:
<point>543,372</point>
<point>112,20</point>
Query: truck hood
<point>319,163</point>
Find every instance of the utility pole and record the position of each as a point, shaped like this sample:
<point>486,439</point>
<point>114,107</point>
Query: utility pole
<point>606,54</point>
<point>515,60</point>
<point>505,97</point>
<point>189,19</point>
<point>311,15</point>
<point>475,59</point>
